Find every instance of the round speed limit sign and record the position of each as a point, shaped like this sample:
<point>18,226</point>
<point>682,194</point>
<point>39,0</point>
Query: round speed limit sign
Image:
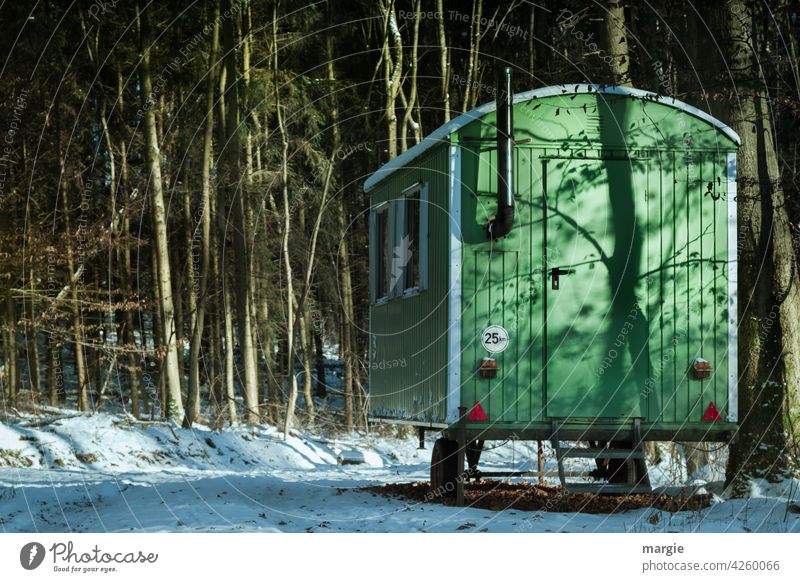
<point>494,339</point>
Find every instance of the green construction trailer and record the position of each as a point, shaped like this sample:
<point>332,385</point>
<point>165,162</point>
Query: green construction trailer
<point>558,265</point>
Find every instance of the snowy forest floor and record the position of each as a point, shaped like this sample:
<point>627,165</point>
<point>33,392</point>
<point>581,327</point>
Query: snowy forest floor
<point>101,473</point>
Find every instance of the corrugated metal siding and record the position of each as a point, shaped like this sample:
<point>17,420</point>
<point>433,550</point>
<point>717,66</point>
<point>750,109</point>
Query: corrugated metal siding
<point>408,335</point>
<point>688,296</point>
<point>683,282</point>
<point>502,286</point>
<point>681,279</point>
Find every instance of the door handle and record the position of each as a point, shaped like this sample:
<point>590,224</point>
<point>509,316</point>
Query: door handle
<point>556,273</point>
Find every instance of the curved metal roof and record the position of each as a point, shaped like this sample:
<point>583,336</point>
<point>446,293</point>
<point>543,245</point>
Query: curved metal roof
<point>442,133</point>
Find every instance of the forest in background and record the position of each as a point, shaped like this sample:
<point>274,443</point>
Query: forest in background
<point>183,231</point>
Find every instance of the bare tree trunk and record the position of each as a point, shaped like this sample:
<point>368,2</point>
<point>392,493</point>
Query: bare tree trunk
<point>444,61</point>
<point>292,378</point>
<point>287,264</point>
<point>252,150</point>
<point>249,113</point>
<point>226,309</point>
<point>238,197</point>
<point>213,358</point>
<point>75,313</point>
<point>347,341</point>
<point>344,267</point>
<point>11,380</point>
<point>32,345</point>
<point>158,339</point>
<point>532,69</point>
<point>190,290</point>
<point>393,68</point>
<point>55,375</point>
<point>769,284</point>
<point>696,455</point>
<point>180,289</point>
<point>305,340</point>
<point>193,408</point>
<point>294,314</point>
<point>134,361</point>
<point>320,389</point>
<point>408,115</point>
<point>615,37</point>
<point>161,242</point>
<point>262,262</point>
<point>94,355</point>
<point>135,364</point>
<point>470,91</point>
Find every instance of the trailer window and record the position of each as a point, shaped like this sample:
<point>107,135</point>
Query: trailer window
<point>413,243</point>
<point>399,245</point>
<point>409,246</point>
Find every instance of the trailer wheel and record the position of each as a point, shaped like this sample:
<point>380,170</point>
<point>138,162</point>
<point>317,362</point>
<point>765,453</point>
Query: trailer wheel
<point>444,467</point>
<point>620,471</point>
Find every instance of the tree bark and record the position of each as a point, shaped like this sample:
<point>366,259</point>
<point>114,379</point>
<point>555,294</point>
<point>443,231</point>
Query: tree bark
<point>55,376</point>
<point>345,341</point>
<point>393,68</point>
<point>201,302</point>
<point>238,197</point>
<point>408,116</point>
<point>287,223</point>
<point>615,37</point>
<point>317,331</point>
<point>134,361</point>
<point>305,340</point>
<point>32,345</point>
<point>75,313</point>
<point>161,242</point>
<point>769,298</point>
<point>11,380</point>
<point>226,309</point>
<point>471,88</point>
<point>444,61</point>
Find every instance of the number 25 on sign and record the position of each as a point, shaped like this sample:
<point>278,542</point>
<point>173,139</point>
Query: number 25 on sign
<point>494,339</point>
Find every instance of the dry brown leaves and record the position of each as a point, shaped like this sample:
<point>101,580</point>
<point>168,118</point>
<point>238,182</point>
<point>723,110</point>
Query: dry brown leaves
<point>502,495</point>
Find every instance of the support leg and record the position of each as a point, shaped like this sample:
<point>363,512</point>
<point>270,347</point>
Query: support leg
<point>421,436</point>
<point>556,442</point>
<point>462,449</point>
<point>642,476</point>
<point>540,460</point>
<point>462,446</point>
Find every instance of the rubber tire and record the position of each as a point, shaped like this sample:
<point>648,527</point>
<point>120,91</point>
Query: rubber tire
<point>444,467</point>
<point>633,471</point>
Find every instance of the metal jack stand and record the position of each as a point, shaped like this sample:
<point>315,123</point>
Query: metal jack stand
<point>461,438</point>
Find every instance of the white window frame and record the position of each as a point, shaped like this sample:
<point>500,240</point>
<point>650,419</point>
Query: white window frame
<point>396,222</point>
<point>375,250</point>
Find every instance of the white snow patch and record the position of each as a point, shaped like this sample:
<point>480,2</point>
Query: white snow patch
<point>102,472</point>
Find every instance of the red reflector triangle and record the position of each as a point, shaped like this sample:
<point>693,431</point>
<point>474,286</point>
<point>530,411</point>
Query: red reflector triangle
<point>712,413</point>
<point>477,413</point>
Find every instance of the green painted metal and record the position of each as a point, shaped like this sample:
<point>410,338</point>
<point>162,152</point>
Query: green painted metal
<point>629,194</point>
<point>408,340</point>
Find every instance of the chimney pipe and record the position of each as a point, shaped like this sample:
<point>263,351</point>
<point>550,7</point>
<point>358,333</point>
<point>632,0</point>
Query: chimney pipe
<point>501,224</point>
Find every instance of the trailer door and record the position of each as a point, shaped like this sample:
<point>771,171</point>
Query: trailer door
<point>596,333</point>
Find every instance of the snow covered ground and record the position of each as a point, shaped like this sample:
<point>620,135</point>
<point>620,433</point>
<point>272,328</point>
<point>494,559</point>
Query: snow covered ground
<point>100,473</point>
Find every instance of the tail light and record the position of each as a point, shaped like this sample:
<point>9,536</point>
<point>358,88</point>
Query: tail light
<point>488,368</point>
<point>701,369</point>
